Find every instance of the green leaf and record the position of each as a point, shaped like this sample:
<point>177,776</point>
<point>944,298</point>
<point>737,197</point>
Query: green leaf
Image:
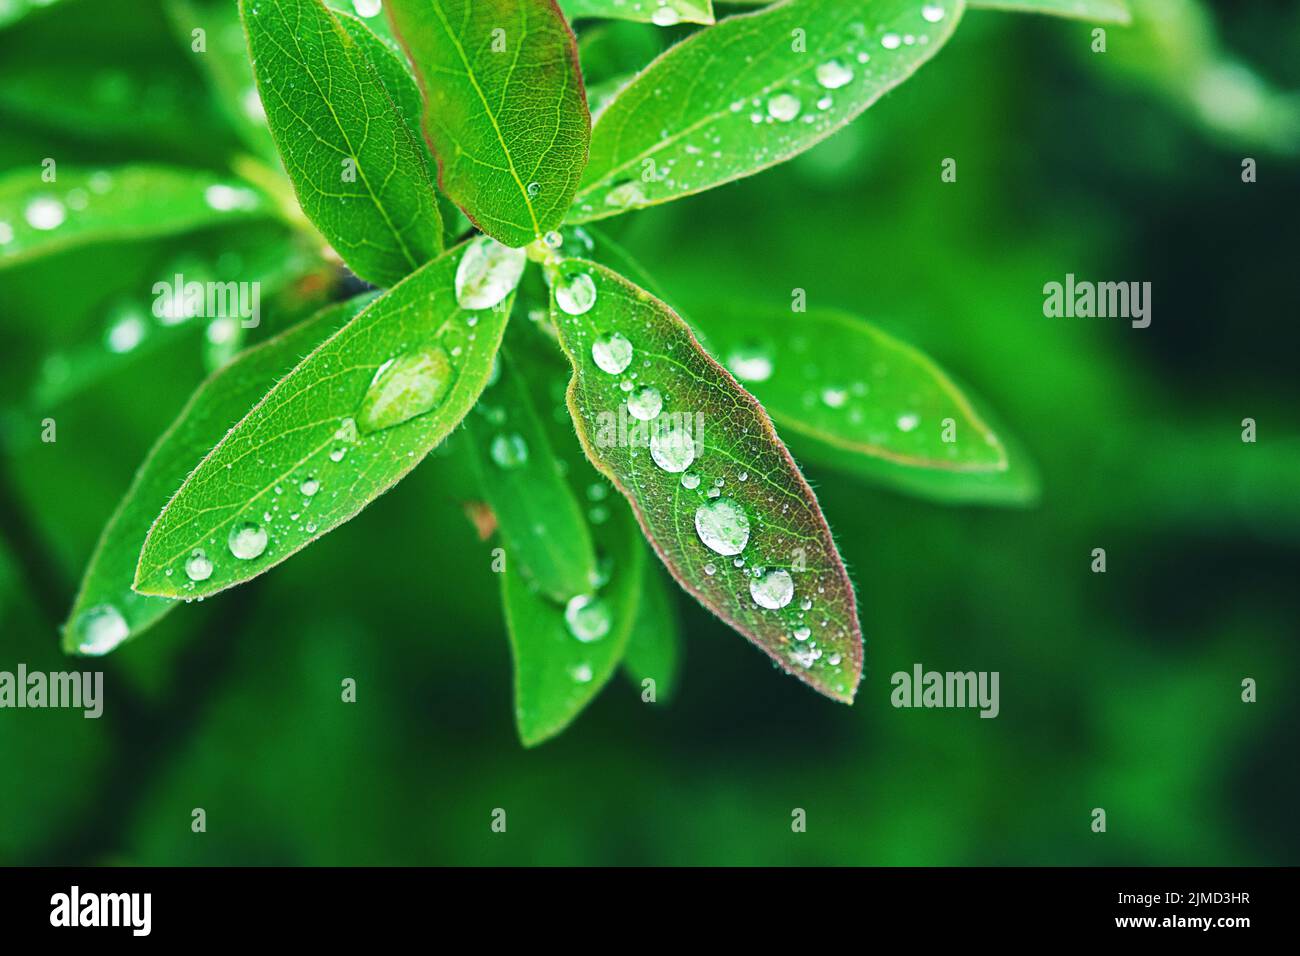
<point>106,610</point>
<point>557,673</point>
<point>360,174</point>
<point>663,13</point>
<point>505,110</point>
<point>130,202</point>
<point>11,11</point>
<point>224,61</point>
<point>393,69</point>
<point>1102,11</point>
<point>732,483</point>
<point>654,650</point>
<point>540,520</point>
<point>694,119</point>
<point>330,437</point>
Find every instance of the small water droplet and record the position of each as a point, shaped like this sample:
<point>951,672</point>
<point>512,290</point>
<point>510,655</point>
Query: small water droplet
<point>665,17</point>
<point>834,397</point>
<point>833,74</point>
<point>247,540</point>
<point>722,525</point>
<point>908,422</point>
<point>750,363</point>
<point>802,633</point>
<point>587,617</point>
<point>412,384</point>
<point>100,629</point>
<point>672,448</point>
<point>891,41</point>
<point>308,487</point>
<point>612,353</point>
<point>44,213</point>
<point>197,566</point>
<point>533,190</point>
<point>932,12</point>
<point>690,481</point>
<point>581,673</point>
<point>225,198</point>
<point>368,8</point>
<point>645,403</point>
<point>509,451</point>
<point>487,273</point>
<point>784,107</point>
<point>772,590</point>
<point>575,293</point>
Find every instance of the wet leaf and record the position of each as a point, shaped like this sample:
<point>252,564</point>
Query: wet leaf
<point>330,436</point>
<point>713,487</point>
<point>106,596</point>
<point>662,13</point>
<point>505,110</point>
<point>692,120</point>
<point>360,174</point>
<point>129,202</point>
<point>654,650</point>
<point>538,515</point>
<point>560,665</point>
<point>1102,11</point>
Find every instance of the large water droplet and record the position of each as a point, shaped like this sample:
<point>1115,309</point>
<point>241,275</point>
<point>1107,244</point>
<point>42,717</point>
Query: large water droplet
<point>487,273</point>
<point>575,293</point>
<point>100,629</point>
<point>665,17</point>
<point>833,74</point>
<point>645,403</point>
<point>749,363</point>
<point>411,384</point>
<point>612,353</point>
<point>772,590</point>
<point>368,8</point>
<point>587,617</point>
<point>784,107</point>
<point>198,567</point>
<point>44,213</point>
<point>509,451</point>
<point>722,525</point>
<point>672,448</point>
<point>247,540</point>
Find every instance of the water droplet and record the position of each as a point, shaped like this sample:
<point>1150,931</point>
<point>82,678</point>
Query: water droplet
<point>553,240</point>
<point>587,617</point>
<point>581,673</point>
<point>6,233</point>
<point>690,481</point>
<point>100,629</point>
<point>665,17</point>
<point>772,590</point>
<point>225,198</point>
<point>834,397</point>
<point>833,74</point>
<point>722,525</point>
<point>197,566</point>
<point>645,403</point>
<point>802,633</point>
<point>309,487</point>
<point>338,453</point>
<point>247,540</point>
<point>487,273</point>
<point>368,8</point>
<point>891,41</point>
<point>533,190</point>
<point>44,213</point>
<point>126,331</point>
<point>932,12</point>
<point>784,107</point>
<point>750,363</point>
<point>509,451</point>
<point>672,448</point>
<point>575,293</point>
<point>412,384</point>
<point>625,194</point>
<point>908,422</point>
<point>612,353</point>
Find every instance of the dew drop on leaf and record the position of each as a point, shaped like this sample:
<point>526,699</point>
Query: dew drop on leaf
<point>412,384</point>
<point>368,8</point>
<point>587,618</point>
<point>509,451</point>
<point>891,41</point>
<point>309,487</point>
<point>665,17</point>
<point>575,293</point>
<point>833,74</point>
<point>750,363</point>
<point>197,566</point>
<point>487,273</point>
<point>932,12</point>
<point>612,353</point>
<point>722,525</point>
<point>645,403</point>
<point>784,107</point>
<point>690,481</point>
<point>672,448</point>
<point>100,629</point>
<point>44,213</point>
<point>772,590</point>
<point>247,540</point>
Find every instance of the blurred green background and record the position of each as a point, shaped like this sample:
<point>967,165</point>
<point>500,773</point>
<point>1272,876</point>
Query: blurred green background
<point>1118,690</point>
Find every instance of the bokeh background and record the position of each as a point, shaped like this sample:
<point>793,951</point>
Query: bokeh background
<point>1118,690</point>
